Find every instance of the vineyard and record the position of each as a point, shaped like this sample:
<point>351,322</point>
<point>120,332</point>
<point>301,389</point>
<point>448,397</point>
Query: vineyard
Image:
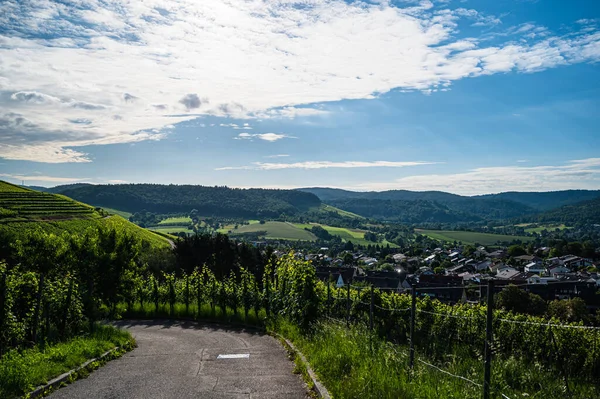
<point>21,203</point>
<point>65,284</point>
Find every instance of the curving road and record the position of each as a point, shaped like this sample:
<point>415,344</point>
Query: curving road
<point>180,360</point>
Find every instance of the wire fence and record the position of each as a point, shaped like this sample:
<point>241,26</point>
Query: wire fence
<point>434,329</point>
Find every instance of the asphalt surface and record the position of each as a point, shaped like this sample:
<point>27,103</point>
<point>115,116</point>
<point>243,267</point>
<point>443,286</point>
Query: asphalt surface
<point>179,360</point>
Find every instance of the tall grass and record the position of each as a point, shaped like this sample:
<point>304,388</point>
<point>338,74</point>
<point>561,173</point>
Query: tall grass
<point>22,371</point>
<point>352,363</point>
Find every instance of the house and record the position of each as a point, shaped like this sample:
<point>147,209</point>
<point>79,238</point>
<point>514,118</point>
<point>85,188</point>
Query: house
<point>527,259</point>
<point>530,278</point>
<point>534,267</point>
<point>457,269</point>
<point>497,267</point>
<point>482,265</point>
<point>507,273</point>
<point>499,254</point>
<point>340,275</point>
<point>555,270</point>
<point>429,259</point>
<point>398,258</point>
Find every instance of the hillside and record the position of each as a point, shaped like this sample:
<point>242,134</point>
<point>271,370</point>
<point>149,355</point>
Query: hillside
<point>23,209</point>
<point>587,212</point>
<point>418,211</point>
<point>208,201</point>
<point>421,207</point>
<point>25,204</point>
<point>506,205</point>
<point>545,201</point>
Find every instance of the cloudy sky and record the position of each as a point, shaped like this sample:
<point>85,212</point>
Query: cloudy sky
<point>466,96</point>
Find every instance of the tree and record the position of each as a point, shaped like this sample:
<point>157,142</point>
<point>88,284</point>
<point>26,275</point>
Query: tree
<point>516,250</point>
<point>569,310</point>
<point>514,299</point>
<point>348,258</point>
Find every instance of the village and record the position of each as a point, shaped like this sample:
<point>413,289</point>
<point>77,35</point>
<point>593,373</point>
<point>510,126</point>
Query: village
<point>564,277</point>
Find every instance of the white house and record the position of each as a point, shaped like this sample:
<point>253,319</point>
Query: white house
<point>534,267</point>
<point>554,270</point>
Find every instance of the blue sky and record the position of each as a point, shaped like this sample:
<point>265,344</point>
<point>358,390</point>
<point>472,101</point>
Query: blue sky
<point>469,97</point>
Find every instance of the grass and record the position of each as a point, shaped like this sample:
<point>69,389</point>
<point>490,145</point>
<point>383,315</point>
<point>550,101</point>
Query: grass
<point>346,234</point>
<point>171,229</point>
<point>277,230</point>
<point>539,228</point>
<point>178,220</point>
<point>470,237</point>
<point>341,212</point>
<point>16,229</point>
<point>22,371</point>
<point>123,214</point>
<point>353,364</point>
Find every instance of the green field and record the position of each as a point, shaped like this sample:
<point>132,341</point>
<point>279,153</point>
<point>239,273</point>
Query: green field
<point>277,230</point>
<point>123,214</point>
<point>470,237</point>
<point>341,212</point>
<point>548,227</point>
<point>346,234</point>
<point>178,220</point>
<point>171,229</point>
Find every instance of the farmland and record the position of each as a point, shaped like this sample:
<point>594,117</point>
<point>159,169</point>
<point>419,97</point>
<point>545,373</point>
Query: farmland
<point>19,203</point>
<point>23,210</point>
<point>276,230</point>
<point>470,237</point>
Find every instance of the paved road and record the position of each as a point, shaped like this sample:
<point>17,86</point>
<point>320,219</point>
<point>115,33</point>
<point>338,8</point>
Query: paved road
<point>179,360</point>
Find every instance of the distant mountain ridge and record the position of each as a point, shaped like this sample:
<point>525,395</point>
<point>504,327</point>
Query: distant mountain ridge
<point>208,201</point>
<point>507,205</point>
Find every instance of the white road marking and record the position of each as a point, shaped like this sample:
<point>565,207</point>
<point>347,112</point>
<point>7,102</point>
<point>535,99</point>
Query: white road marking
<point>236,356</point>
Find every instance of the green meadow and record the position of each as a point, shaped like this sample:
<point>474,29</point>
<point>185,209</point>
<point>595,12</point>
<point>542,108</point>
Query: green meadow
<point>470,237</point>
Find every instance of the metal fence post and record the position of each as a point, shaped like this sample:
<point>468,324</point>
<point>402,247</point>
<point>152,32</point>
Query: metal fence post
<point>268,297</point>
<point>487,376</point>
<point>413,314</point>
<point>187,295</point>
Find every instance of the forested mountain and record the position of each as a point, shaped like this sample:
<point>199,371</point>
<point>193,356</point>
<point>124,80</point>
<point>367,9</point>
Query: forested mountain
<point>418,211</point>
<point>208,201</point>
<point>460,207</point>
<point>545,201</point>
<point>587,212</point>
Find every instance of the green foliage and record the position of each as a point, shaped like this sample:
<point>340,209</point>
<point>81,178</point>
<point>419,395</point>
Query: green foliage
<point>207,201</point>
<point>514,299</point>
<point>22,371</point>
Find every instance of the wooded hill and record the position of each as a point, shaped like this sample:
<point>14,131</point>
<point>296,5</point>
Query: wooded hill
<point>441,207</point>
<point>586,212</point>
<point>208,201</point>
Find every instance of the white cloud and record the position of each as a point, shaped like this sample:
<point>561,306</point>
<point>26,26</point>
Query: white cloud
<point>324,165</point>
<point>117,181</point>
<point>130,68</point>
<point>277,156</point>
<point>577,174</point>
<point>40,178</point>
<point>263,136</point>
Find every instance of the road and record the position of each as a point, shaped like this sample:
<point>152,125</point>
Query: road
<point>179,360</point>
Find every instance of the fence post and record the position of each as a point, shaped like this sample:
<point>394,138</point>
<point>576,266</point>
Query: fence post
<point>171,298</point>
<point>488,341</point>
<point>348,305</point>
<point>198,296</point>
<point>413,314</point>
<point>245,299</point>
<point>37,310</point>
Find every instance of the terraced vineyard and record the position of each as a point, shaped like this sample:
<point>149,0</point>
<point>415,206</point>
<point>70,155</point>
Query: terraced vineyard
<point>22,210</point>
<point>22,203</point>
